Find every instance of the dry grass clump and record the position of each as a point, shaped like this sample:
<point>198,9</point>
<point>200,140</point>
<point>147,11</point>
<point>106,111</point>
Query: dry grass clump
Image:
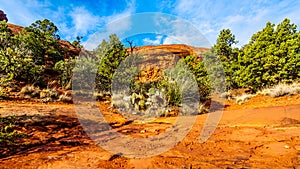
<point>243,98</point>
<point>30,91</point>
<point>48,95</point>
<point>282,89</point>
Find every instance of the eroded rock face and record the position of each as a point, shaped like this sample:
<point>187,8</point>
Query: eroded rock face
<point>179,50</point>
<point>164,56</point>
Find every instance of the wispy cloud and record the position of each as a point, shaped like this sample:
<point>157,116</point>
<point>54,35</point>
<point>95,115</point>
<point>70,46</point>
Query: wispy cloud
<point>83,21</point>
<point>155,41</point>
<point>19,12</point>
<point>82,18</point>
<point>116,23</point>
<point>244,18</point>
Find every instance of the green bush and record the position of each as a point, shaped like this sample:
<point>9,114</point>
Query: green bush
<point>177,83</point>
<point>110,55</point>
<point>25,56</point>
<point>65,70</point>
<point>7,133</point>
<point>18,64</point>
<point>198,68</point>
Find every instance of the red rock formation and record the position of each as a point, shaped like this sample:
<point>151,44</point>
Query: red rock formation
<point>180,50</point>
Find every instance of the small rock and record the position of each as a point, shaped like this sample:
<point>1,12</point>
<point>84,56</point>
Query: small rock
<point>297,148</point>
<point>286,146</point>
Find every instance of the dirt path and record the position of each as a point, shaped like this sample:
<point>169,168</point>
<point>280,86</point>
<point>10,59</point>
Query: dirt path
<point>267,137</point>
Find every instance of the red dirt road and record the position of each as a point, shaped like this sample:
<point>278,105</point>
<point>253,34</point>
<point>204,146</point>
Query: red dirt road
<point>255,137</point>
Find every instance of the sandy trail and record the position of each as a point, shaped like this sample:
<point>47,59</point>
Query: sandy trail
<point>267,137</point>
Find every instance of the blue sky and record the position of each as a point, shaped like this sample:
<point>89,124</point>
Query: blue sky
<point>84,18</point>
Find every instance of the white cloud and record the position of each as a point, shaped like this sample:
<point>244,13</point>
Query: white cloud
<point>170,40</point>
<point>156,41</point>
<point>19,12</point>
<point>179,31</point>
<point>244,18</point>
<point>83,20</point>
<point>116,23</point>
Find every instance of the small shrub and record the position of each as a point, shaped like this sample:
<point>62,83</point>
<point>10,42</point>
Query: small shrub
<point>48,95</point>
<point>65,69</point>
<point>30,91</point>
<point>7,133</point>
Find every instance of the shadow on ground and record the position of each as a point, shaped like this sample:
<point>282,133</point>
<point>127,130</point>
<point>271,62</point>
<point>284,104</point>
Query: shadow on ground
<point>44,133</point>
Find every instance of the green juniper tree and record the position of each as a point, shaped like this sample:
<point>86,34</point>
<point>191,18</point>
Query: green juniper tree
<point>228,56</point>
<point>110,55</point>
<point>271,56</point>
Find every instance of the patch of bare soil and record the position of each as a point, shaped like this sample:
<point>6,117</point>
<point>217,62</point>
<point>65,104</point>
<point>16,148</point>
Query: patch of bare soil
<point>261,133</point>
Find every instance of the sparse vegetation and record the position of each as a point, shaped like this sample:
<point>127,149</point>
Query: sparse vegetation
<point>8,135</point>
<point>65,70</point>
<point>272,56</point>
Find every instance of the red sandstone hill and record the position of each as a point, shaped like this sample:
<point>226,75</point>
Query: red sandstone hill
<point>180,50</point>
<point>164,56</point>
<point>70,49</point>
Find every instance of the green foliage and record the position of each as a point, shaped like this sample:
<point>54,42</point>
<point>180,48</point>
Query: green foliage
<point>84,73</point>
<point>45,27</point>
<point>17,63</point>
<point>110,55</point>
<point>215,71</point>
<point>5,35</point>
<point>174,85</point>
<point>42,39</point>
<point>7,133</point>
<point>25,56</point>
<point>198,68</point>
<point>272,56</point>
<point>228,56</point>
<point>77,42</point>
<point>65,70</point>
<point>171,90</point>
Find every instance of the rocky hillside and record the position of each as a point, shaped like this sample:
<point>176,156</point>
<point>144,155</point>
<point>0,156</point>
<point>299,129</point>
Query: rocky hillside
<point>70,49</point>
<point>180,50</point>
<point>163,56</point>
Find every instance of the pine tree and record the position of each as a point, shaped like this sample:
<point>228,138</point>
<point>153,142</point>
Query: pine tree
<point>272,56</point>
<point>228,55</point>
<point>110,55</point>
